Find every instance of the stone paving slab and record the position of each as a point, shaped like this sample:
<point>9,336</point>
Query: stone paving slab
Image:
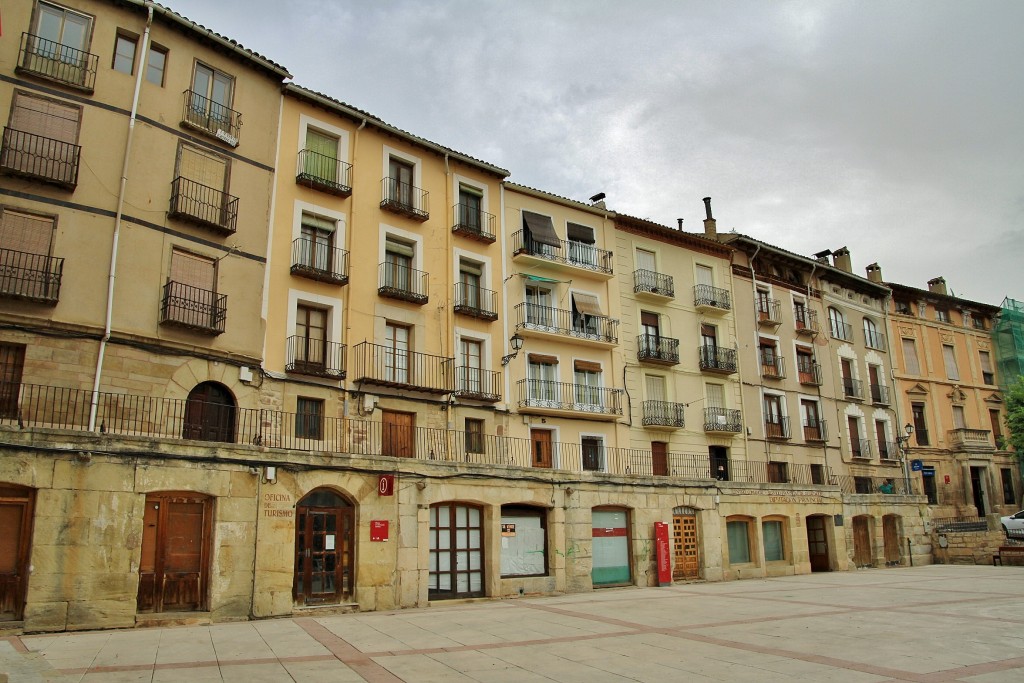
<point>932,624</point>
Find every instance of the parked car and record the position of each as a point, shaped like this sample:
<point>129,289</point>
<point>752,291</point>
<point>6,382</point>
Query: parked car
<point>1013,525</point>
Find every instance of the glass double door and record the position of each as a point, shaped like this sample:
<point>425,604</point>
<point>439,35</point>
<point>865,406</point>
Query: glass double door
<point>324,542</point>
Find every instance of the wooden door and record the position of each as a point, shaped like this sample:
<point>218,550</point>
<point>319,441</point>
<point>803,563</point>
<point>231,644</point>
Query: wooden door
<point>659,458</point>
<point>540,442</point>
<point>862,541</point>
<point>210,414</point>
<point>174,569</point>
<point>817,544</point>
<point>15,547</point>
<point>398,439</point>
<point>891,539</point>
<point>324,543</point>
<point>685,561</point>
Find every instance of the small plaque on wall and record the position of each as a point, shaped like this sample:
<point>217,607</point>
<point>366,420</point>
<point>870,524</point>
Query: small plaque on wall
<point>379,530</point>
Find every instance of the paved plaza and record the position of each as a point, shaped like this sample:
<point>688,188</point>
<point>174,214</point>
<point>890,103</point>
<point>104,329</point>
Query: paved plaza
<point>928,624</point>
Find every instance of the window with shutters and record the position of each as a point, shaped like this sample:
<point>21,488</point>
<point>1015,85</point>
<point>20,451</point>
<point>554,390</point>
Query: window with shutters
<point>12,364</point>
<point>57,48</point>
<point>27,269</point>
<point>987,375</point>
<point>949,360</point>
<point>208,104</point>
<point>959,418</point>
<point>910,363</point>
<point>581,244</point>
<point>40,140</point>
<point>190,296</point>
<point>474,432</point>
<point>199,190</point>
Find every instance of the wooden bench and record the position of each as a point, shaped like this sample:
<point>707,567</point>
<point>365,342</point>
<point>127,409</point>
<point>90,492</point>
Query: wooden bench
<point>1004,550</point>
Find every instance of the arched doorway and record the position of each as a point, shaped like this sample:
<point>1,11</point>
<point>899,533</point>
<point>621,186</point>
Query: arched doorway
<point>456,551</point>
<point>174,569</point>
<point>16,504</point>
<point>685,555</point>
<point>817,543</point>
<point>862,556</point>
<point>210,413</point>
<point>324,548</point>
<point>891,539</point>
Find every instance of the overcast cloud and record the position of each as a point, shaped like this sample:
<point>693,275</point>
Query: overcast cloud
<point>893,128</point>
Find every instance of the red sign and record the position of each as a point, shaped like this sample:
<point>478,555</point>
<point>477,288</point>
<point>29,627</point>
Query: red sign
<point>386,485</point>
<point>378,529</point>
<point>664,557</point>
<point>946,478</point>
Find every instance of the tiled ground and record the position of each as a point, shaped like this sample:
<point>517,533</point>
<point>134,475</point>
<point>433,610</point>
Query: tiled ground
<point>927,624</point>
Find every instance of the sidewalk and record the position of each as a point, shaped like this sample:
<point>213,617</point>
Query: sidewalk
<point>928,624</point>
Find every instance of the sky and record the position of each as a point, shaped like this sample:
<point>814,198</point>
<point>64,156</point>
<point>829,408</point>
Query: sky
<point>895,129</point>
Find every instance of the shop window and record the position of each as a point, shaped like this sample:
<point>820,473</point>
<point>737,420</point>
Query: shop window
<point>523,541</point>
<point>773,535</point>
<point>738,533</point>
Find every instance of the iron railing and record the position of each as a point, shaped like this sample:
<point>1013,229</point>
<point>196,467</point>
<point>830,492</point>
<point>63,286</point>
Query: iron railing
<point>815,430</point>
<point>874,339</point>
<point>202,113</point>
<point>324,173</point>
<point>960,524</point>
<point>580,398</point>
<point>319,261</point>
<point>570,323</point>
<point>203,205</point>
<point>402,282</point>
<point>880,394</point>
<point>860,448</point>
<point>475,301</point>
<point>888,450</point>
<point>717,359</point>
<point>393,367</point>
<point>853,388</point>
<point>477,383</point>
<point>808,373</point>
<point>653,282</point>
<point>840,330</point>
<point>706,296</point>
<point>473,222</point>
<point>773,366</point>
<point>34,156</point>
<point>194,308</point>
<point>315,357</point>
<point>656,349</point>
<point>404,199</point>
<point>57,62</point>
<point>569,252</point>
<point>769,311</point>
<point>806,321</point>
<point>776,427</point>
<point>722,420</point>
<point>663,414</point>
<point>868,485</point>
<point>30,277</point>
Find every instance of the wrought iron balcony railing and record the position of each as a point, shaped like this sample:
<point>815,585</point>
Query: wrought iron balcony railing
<point>401,368</point>
<point>706,297</point>
<point>569,252</point>
<point>404,199</point>
<point>853,389</point>
<point>45,159</point>
<point>717,359</point>
<point>475,301</point>
<point>570,323</point>
<point>403,283</point>
<point>483,385</point>
<point>861,448</point>
<point>769,311</point>
<point>202,205</point>
<point>651,282</point>
<point>30,277</point>
<point>51,60</point>
<point>773,366</point>
<point>809,373</point>
<point>840,330</point>
<point>722,420</point>
<point>776,427</point>
<point>201,310</point>
<point>815,430</point>
<point>474,223</point>
<point>324,173</point>
<point>663,414</point>
<point>880,394</point>
<point>319,261</point>
<point>656,349</point>
<point>806,321</point>
<point>874,339</point>
<point>888,450</point>
<point>217,120</point>
<point>315,357</point>
<point>580,398</point>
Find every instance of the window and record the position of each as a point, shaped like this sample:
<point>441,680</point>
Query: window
<point>808,374</point>
<point>199,187</point>
<point>470,209</point>
<point>988,377</point>
<point>156,64</point>
<point>396,353</point>
<point>320,158</point>
<point>309,418</point>
<point>910,363</point>
<point>41,139</point>
<point>650,335</point>
<point>814,430</point>
<point>942,315</point>
<point>800,314</point>
<point>922,309</point>
<point>190,296</point>
<point>470,277</point>
<point>1006,476</point>
<point>857,442</point>
<point>774,424</point>
<point>541,372</point>
<point>979,321</point>
<point>592,452</point>
<point>400,179</point>
<point>817,474</point>
<point>538,306</point>
<point>310,338</point>
<point>471,367</point>
<point>764,305</point>
<point>851,386</point>
<point>12,364</point>
<point>587,378</point>
<point>715,396</point>
<point>539,236</point>
<point>209,101</point>
<point>124,53</point>
<point>398,260</point>
<point>523,541</point>
<point>771,362</point>
<point>581,244</point>
<point>872,337</point>
<point>316,243</point>
<point>60,48</point>
<point>474,435</point>
<point>705,276</point>
<point>647,260</point>
<point>586,314</point>
<point>26,271</point>
<point>655,387</point>
<point>738,532</point>
<point>837,322</point>
<point>920,426</point>
<point>997,430</point>
<point>904,307</point>
<point>949,359</point>
<point>774,543</point>
<point>959,418</point>
<point>884,451</point>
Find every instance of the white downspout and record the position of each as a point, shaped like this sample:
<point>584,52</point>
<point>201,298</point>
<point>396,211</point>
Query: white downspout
<point>112,275</point>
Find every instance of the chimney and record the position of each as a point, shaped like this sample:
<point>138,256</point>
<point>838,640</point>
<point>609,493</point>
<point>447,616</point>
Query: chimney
<point>710,226</point>
<point>822,256</point>
<point>874,273</point>
<point>680,221</point>
<point>937,285</point>
<point>841,259</point>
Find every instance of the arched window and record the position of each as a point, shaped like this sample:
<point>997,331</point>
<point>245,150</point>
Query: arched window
<point>837,323</point>
<point>873,339</point>
<point>210,413</point>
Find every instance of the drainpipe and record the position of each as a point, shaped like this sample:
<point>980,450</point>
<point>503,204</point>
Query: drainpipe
<point>447,334</point>
<point>898,427</point>
<point>346,295</point>
<point>736,335</point>
<point>112,275</point>
<point>757,353</point>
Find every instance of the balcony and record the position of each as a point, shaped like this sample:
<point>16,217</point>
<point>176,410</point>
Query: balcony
<point>809,373</point>
<point>722,421</point>
<point>841,330</point>
<point>806,322</point>
<point>532,318</point>
<point>773,366</point>
<point>815,430</point>
<point>880,394</point>
<point>861,448</point>
<point>324,173</point>
<point>889,451</point>
<point>976,440</point>
<point>473,223</point>
<point>315,357</point>
<point>319,261</point>
<point>717,359</point>
<point>853,389</point>
<point>650,348</point>
<point>403,283</point>
<point>874,340</point>
<point>663,414</point>
<point>560,398</point>
<point>776,427</point>
<point>55,62</point>
<point>872,485</point>
<point>202,114</point>
<point>769,312</point>
<point>37,158</point>
<point>714,300</point>
<point>657,285</point>
<point>199,310</point>
<point>476,383</point>
<point>30,277</point>
<point>402,369</point>
<point>475,302</point>
<point>571,253</point>
<point>404,199</point>
<point>204,206</point>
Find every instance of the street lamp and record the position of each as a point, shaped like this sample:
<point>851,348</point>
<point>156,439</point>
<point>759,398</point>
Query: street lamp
<point>902,442</point>
<point>516,342</point>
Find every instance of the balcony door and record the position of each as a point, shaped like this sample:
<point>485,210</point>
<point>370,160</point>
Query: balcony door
<point>210,413</point>
<point>538,306</point>
<point>174,568</point>
<point>324,548</point>
<point>316,248</point>
<point>311,339</point>
<point>471,353</point>
<point>16,503</point>
<point>396,353</point>
<point>321,161</point>
<point>400,174</point>
<point>211,99</point>
<point>651,331</point>
<point>540,447</point>
<point>773,416</point>
<point>398,434</point>
<point>659,458</point>
<point>41,137</point>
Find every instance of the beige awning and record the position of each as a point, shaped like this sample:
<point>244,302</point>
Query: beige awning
<point>541,229</point>
<point>587,304</point>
